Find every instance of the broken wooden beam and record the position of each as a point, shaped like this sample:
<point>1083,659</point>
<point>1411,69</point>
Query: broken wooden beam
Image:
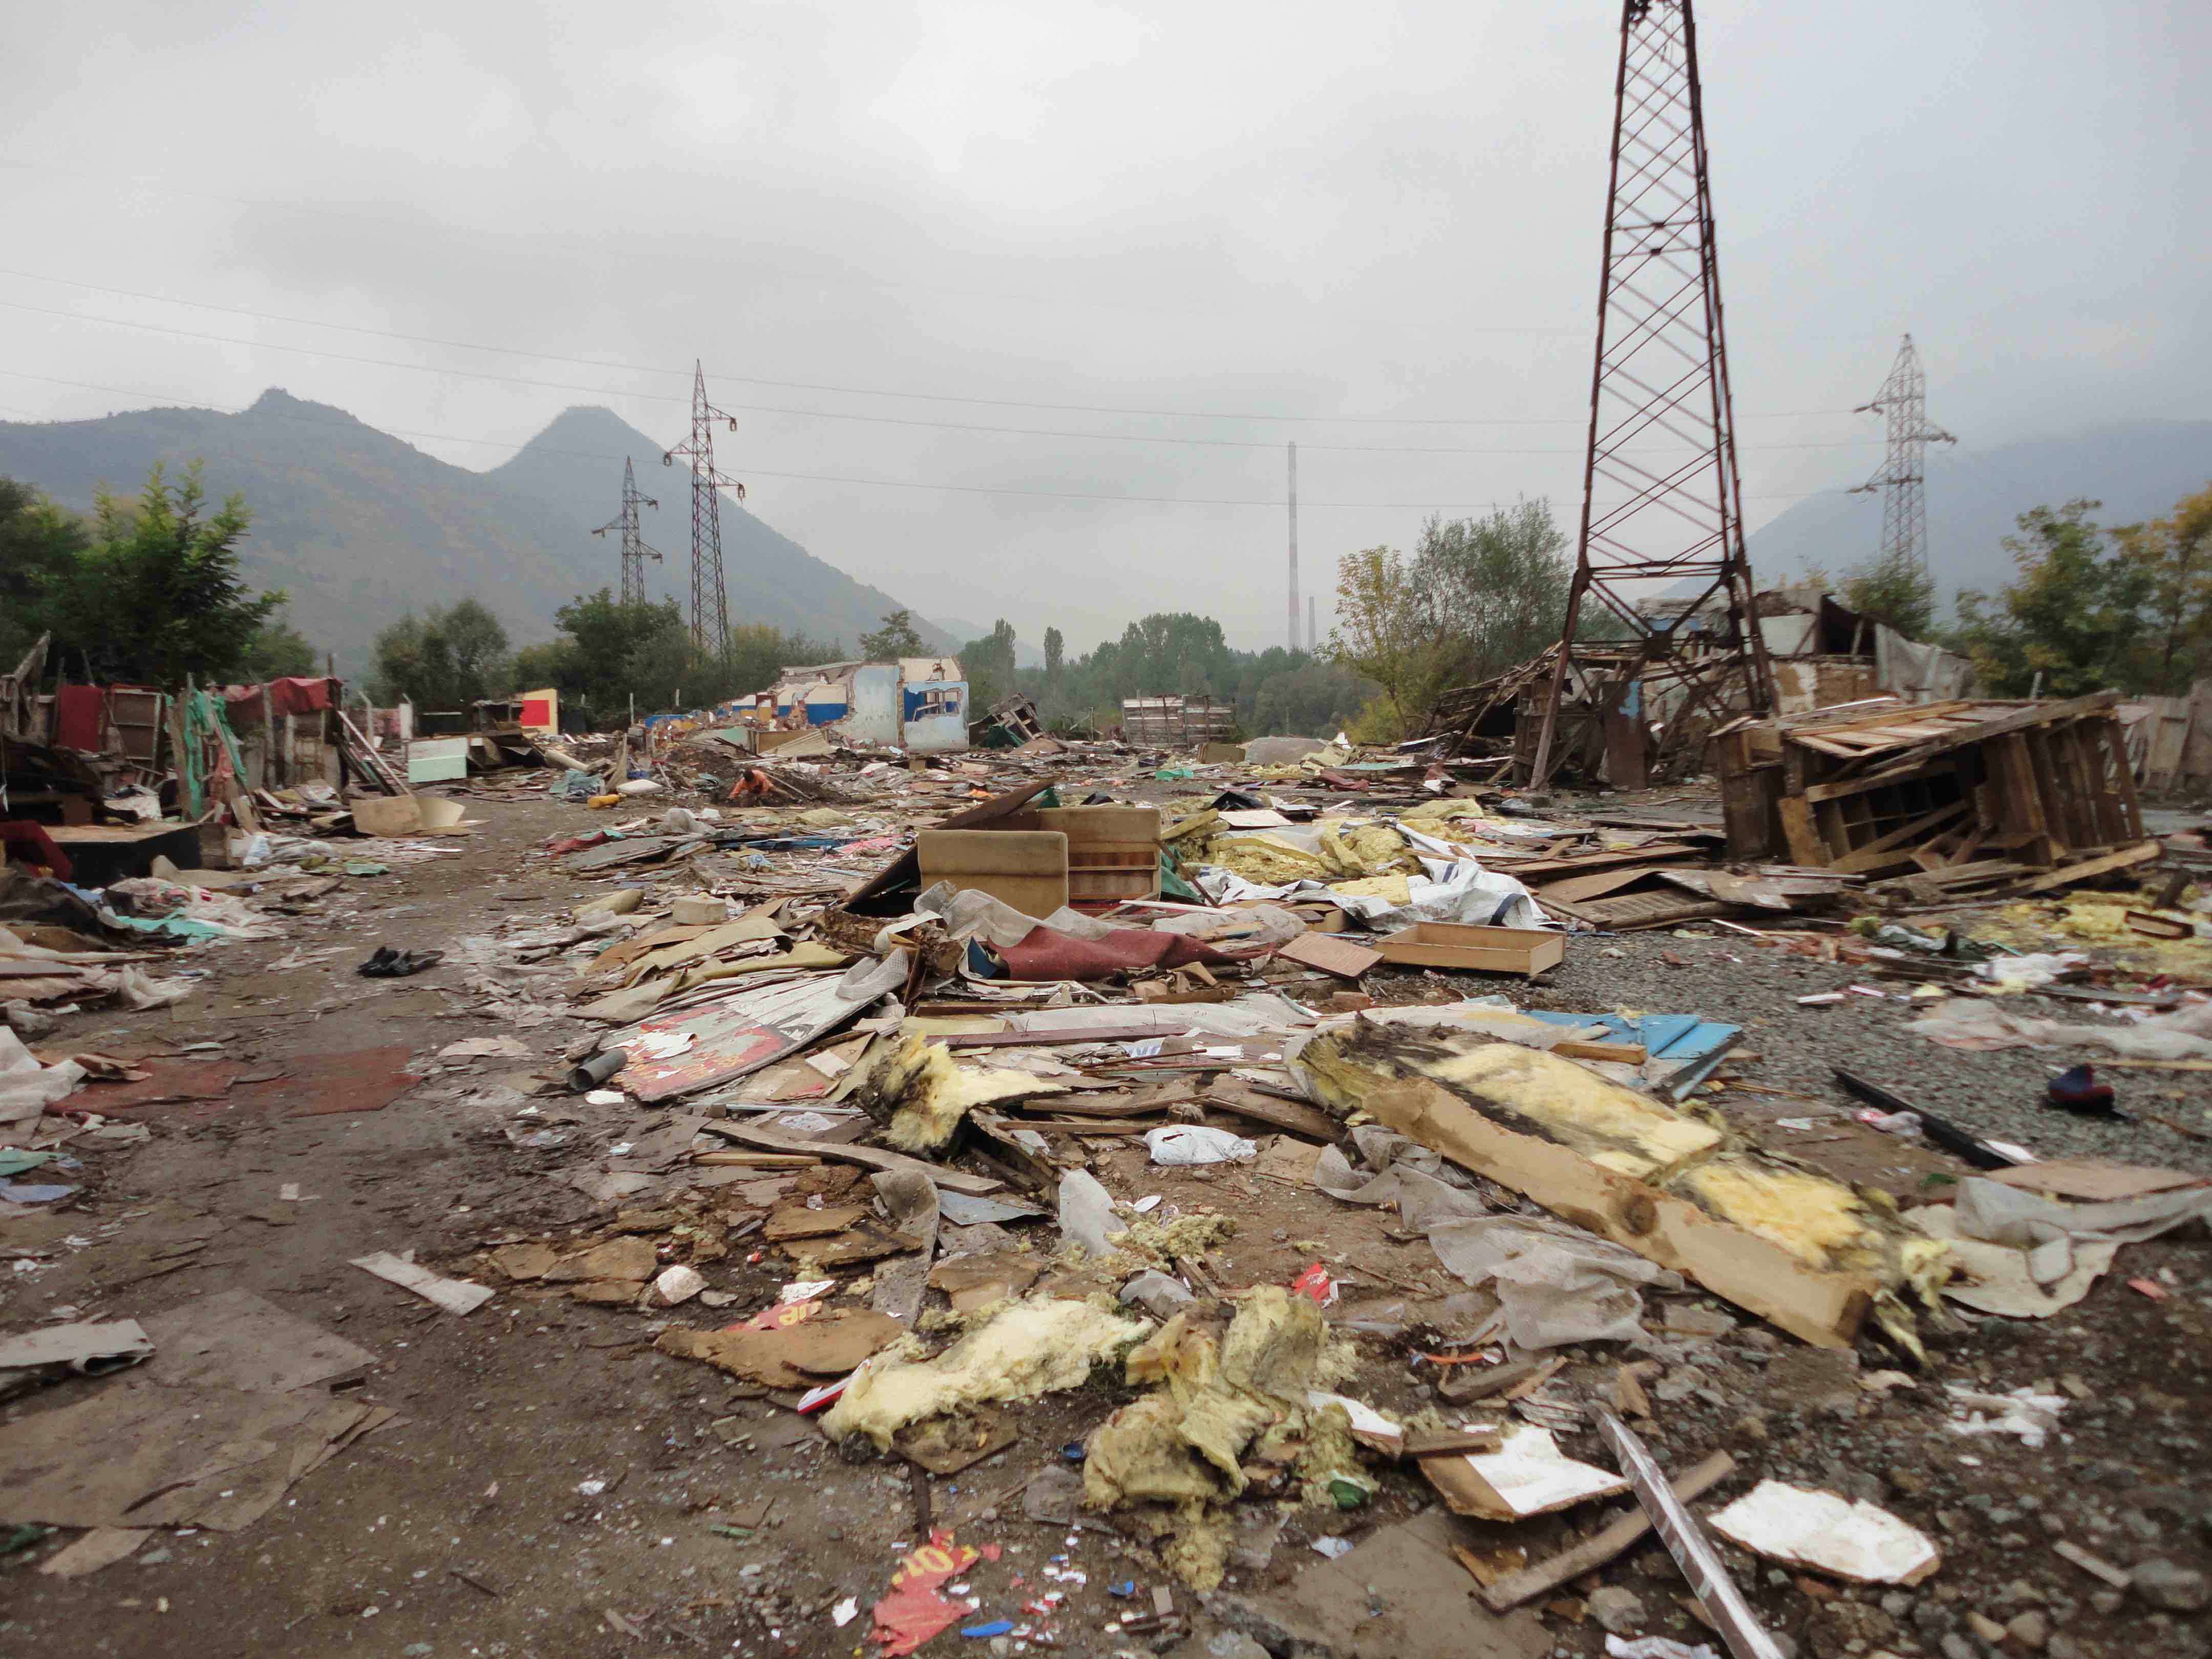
<point>1611,1540</point>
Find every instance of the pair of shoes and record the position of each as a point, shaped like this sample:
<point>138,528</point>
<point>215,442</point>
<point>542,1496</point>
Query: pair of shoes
<point>388,963</point>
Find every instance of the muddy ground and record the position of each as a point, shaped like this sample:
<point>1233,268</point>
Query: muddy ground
<point>461,1529</point>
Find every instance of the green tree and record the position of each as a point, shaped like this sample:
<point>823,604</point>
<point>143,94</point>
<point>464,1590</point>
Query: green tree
<point>2074,614</point>
<point>1384,632</point>
<point>549,662</point>
<point>1056,656</point>
<point>1892,589</point>
<point>989,665</point>
<point>611,642</point>
<point>444,659</point>
<point>897,638</point>
<point>157,596</point>
<point>279,651</point>
<point>38,543</point>
<point>2175,553</point>
<point>1494,588</point>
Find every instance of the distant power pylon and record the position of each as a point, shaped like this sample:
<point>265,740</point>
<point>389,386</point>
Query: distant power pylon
<point>710,628</point>
<point>1902,478</point>
<point>1294,547</point>
<point>635,552</point>
<point>1662,507</point>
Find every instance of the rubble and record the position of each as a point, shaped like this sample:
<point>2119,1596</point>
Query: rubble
<point>1227,1207</point>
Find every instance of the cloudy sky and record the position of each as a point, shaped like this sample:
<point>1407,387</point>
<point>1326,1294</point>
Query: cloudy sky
<point>1016,307</point>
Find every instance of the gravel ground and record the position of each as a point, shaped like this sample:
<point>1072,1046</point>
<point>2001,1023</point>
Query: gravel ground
<point>1996,1093</point>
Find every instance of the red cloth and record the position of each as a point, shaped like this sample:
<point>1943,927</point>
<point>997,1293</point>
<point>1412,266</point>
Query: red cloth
<point>28,843</point>
<point>298,695</point>
<point>81,717</point>
<point>1046,953</point>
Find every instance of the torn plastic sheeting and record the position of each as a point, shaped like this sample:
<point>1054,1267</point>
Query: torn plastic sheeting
<point>1087,1215</point>
<point>1805,1528</point>
<point>1191,1143</point>
<point>2004,1278</point>
<point>1555,1284</point>
<point>1655,1647</point>
<point>2028,1257</point>
<point>1458,889</point>
<point>970,913</point>
<point>26,1088</point>
<point>1971,1023</point>
<point>1407,1174</point>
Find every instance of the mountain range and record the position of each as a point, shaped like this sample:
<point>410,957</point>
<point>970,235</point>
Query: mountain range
<point>359,527</point>
<point>2138,469</point>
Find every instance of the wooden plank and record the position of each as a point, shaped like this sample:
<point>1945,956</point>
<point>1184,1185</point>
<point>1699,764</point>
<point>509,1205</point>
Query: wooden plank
<point>1804,841</point>
<point>1596,884</point>
<point>1234,1096</point>
<point>1332,953</point>
<point>1046,1039</point>
<point>2126,858</point>
<point>1874,852</point>
<point>2035,714</point>
<point>1820,792</point>
<point>1614,1539</point>
<point>868,1158</point>
<point>1627,1053</point>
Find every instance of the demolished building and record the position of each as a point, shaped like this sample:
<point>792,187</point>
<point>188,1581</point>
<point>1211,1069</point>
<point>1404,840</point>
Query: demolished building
<point>1629,720</point>
<point>919,703</point>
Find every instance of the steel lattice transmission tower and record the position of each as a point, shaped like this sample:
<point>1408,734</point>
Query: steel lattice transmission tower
<point>1662,507</point>
<point>635,552</point>
<point>1902,478</point>
<point>710,628</point>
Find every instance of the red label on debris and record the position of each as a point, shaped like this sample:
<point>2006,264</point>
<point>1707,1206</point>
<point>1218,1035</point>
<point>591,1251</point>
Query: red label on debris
<point>914,1612</point>
<point>1315,1285</point>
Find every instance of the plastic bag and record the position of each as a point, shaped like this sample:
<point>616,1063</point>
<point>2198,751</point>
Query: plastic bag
<point>1086,1213</point>
<point>1192,1143</point>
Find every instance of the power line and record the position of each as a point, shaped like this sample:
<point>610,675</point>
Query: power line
<point>840,479</point>
<point>895,420</point>
<point>787,386</point>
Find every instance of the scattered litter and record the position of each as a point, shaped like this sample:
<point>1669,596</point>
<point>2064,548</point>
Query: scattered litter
<point>455,1296</point>
<point>1190,1143</point>
<point>1827,1534</point>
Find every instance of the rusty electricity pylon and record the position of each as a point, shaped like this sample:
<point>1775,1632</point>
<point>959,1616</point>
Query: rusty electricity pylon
<point>635,552</point>
<point>1901,480</point>
<point>1663,508</point>
<point>710,628</point>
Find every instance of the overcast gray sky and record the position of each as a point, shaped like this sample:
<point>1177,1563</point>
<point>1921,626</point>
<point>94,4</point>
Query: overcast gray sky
<point>1375,226</point>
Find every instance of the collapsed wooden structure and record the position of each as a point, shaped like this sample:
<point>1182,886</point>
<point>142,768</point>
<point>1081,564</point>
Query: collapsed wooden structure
<point>1624,719</point>
<point>1961,798</point>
